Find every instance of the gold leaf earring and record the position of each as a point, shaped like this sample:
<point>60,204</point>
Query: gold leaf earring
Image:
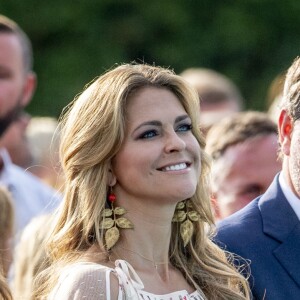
<point>112,221</point>
<point>185,215</point>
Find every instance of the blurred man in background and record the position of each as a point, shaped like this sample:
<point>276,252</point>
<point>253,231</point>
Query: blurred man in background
<point>43,137</point>
<point>244,150</point>
<point>267,231</point>
<point>219,96</point>
<point>17,85</point>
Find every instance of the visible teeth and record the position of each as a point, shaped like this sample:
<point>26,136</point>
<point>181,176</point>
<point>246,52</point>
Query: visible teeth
<point>176,167</point>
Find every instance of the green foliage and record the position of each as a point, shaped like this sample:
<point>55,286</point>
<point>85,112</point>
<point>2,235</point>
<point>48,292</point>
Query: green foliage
<point>75,41</point>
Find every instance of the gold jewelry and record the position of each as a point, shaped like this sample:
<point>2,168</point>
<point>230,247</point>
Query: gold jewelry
<point>155,263</point>
<point>185,215</point>
<point>111,222</point>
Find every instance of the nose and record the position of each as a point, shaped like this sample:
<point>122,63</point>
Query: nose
<point>174,142</point>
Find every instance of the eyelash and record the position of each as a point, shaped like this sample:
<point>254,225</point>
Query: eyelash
<point>188,127</point>
<point>146,135</point>
<point>253,190</point>
<point>152,133</point>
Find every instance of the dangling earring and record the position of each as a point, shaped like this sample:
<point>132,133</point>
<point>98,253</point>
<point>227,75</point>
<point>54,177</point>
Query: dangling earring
<point>111,222</point>
<point>185,215</point>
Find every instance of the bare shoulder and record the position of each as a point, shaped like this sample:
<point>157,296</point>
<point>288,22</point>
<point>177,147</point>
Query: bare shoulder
<point>83,281</point>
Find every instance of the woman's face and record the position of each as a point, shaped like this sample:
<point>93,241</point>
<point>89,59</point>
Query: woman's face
<point>160,157</point>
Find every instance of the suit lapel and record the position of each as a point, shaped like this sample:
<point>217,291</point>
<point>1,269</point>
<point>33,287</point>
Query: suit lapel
<point>281,223</point>
<point>288,254</point>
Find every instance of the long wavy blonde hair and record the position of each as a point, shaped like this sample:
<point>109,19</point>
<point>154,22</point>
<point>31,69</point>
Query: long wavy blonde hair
<point>93,132</point>
<point>5,293</point>
<point>6,232</point>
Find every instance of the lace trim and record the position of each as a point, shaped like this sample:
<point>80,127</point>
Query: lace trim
<point>133,286</point>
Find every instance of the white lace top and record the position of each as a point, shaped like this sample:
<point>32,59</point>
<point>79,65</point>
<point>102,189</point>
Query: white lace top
<point>92,281</point>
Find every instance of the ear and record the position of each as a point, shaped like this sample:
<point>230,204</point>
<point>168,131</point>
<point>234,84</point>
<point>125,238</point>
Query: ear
<point>29,88</point>
<point>285,128</point>
<point>112,180</point>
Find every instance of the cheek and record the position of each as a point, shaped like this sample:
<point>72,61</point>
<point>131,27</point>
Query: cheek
<point>10,88</point>
<point>295,164</point>
<point>295,153</point>
<point>128,163</point>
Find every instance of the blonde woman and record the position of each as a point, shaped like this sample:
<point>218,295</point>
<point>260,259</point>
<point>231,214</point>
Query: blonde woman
<point>43,138</point>
<point>30,256</point>
<point>136,213</point>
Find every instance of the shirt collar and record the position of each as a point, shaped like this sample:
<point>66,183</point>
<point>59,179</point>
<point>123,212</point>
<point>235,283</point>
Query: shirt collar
<point>5,158</point>
<point>292,199</point>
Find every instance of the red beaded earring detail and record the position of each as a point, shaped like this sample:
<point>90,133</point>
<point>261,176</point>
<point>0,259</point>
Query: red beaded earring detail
<point>111,197</point>
<point>112,221</point>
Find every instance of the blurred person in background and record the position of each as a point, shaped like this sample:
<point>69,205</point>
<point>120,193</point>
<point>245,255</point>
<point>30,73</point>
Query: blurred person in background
<point>6,230</point>
<point>219,96</point>
<point>15,141</point>
<point>30,257</point>
<point>274,97</point>
<point>267,231</point>
<point>5,293</point>
<point>44,139</point>
<point>244,150</point>
<point>17,85</point>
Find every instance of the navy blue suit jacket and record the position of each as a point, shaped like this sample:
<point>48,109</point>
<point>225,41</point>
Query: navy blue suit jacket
<point>266,232</point>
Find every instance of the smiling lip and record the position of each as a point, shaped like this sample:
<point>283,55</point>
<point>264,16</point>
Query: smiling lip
<point>175,167</point>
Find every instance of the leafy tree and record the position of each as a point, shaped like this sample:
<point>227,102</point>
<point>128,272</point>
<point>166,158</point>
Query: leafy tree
<point>75,41</point>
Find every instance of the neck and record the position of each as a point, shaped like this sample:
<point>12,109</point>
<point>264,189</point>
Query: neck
<point>141,246</point>
<point>147,245</point>
<point>144,265</point>
<point>155,264</point>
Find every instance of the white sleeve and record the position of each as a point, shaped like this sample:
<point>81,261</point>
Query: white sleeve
<point>88,282</point>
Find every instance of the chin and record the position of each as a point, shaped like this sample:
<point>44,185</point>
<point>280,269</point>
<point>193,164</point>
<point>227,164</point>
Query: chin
<point>185,192</point>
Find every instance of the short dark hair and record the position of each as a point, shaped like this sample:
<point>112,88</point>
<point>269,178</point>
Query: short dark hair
<point>9,26</point>
<point>291,92</point>
<point>213,87</point>
<point>237,129</point>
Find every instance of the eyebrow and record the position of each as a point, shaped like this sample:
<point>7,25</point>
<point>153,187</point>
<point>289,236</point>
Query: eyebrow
<point>158,123</point>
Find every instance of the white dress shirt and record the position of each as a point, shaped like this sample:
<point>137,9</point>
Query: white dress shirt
<point>31,197</point>
<point>293,200</point>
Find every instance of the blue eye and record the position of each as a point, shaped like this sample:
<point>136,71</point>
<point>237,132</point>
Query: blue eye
<point>185,127</point>
<point>148,134</point>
